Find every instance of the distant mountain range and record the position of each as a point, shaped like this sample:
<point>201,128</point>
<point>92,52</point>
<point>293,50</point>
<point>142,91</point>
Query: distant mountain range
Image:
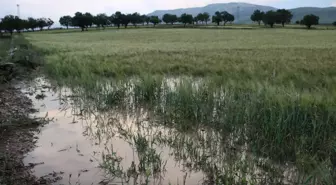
<point>243,11</point>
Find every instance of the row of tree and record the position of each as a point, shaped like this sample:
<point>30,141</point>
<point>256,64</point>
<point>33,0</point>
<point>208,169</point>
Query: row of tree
<point>84,20</point>
<point>282,16</point>
<point>10,23</point>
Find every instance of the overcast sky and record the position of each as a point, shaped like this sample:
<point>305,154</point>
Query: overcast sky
<point>56,8</point>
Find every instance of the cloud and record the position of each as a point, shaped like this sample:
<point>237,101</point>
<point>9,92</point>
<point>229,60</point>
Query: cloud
<point>333,3</point>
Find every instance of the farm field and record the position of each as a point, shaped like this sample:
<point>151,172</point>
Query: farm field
<point>232,106</point>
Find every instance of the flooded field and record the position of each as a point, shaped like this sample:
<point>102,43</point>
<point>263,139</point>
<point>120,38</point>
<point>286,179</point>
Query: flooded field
<point>187,106</point>
<point>118,140</point>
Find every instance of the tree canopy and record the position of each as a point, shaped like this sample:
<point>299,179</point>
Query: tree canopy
<point>270,18</point>
<point>186,19</point>
<point>257,16</point>
<point>310,20</point>
<point>155,20</point>
<point>66,21</point>
<point>169,18</point>
<point>284,16</point>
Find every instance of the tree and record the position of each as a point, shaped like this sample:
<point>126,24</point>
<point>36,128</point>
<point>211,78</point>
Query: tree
<point>297,22</point>
<point>66,21</point>
<point>206,17</point>
<point>88,20</point>
<point>186,19</point>
<point>126,19</point>
<point>200,17</point>
<point>270,18</point>
<point>116,18</point>
<point>166,18</point>
<point>284,16</point>
<point>310,20</point>
<point>143,19</point>
<point>257,16</point>
<point>217,18</point>
<point>169,18</point>
<point>32,23</point>
<point>195,20</point>
<point>230,18</point>
<point>8,23</point>
<point>227,17</point>
<point>101,20</point>
<point>79,20</point>
<point>49,23</point>
<point>155,20</point>
<point>334,23</point>
<point>135,18</point>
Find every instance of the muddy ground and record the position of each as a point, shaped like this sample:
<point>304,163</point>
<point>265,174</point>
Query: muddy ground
<point>18,137</point>
<point>17,129</point>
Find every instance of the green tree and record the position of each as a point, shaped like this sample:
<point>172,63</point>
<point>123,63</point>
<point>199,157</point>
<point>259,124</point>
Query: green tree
<point>284,16</point>
<point>155,20</point>
<point>334,23</point>
<point>66,21</point>
<point>126,19</point>
<point>135,19</point>
<point>217,18</point>
<point>166,18</point>
<point>186,19</point>
<point>230,18</point>
<point>169,18</point>
<point>32,23</point>
<point>101,20</point>
<point>310,20</point>
<point>116,19</point>
<point>206,17</point>
<point>49,23</point>
<point>143,19</point>
<point>227,17</point>
<point>270,18</point>
<point>8,23</point>
<point>79,20</point>
<point>195,20</point>
<point>200,17</point>
<point>257,16</point>
<point>88,19</point>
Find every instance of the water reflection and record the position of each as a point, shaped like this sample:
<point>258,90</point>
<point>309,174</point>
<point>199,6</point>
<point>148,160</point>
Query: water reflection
<point>109,136</point>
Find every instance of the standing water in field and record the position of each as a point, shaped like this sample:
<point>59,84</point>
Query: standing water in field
<point>162,131</point>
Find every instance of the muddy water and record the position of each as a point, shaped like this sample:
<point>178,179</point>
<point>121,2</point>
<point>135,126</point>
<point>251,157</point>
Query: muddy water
<point>121,145</point>
<point>74,145</point>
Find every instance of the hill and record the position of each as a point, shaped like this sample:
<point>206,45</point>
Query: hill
<point>243,11</point>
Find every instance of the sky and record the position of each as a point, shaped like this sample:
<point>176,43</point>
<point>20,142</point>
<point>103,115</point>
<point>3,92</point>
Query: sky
<point>55,8</point>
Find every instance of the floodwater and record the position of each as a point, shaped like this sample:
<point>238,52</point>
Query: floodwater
<point>85,145</point>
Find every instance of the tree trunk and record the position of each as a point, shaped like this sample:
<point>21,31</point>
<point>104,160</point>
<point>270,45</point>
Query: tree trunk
<point>118,26</point>
<point>67,27</point>
<point>82,28</point>
<point>271,25</point>
<point>283,24</point>
<point>259,23</point>
<point>217,23</point>
<point>309,26</point>
<point>206,22</point>
<point>185,24</point>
